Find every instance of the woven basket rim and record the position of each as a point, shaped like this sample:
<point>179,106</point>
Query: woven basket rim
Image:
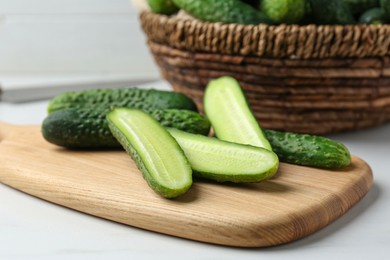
<point>263,40</point>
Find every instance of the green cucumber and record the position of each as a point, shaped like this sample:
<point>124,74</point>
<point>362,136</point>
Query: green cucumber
<point>331,12</point>
<point>223,161</point>
<point>226,11</point>
<point>253,3</point>
<point>375,16</point>
<point>284,11</point>
<point>360,6</point>
<point>385,5</point>
<point>163,6</point>
<point>156,153</point>
<point>230,115</point>
<point>308,150</point>
<point>87,128</point>
<point>145,99</point>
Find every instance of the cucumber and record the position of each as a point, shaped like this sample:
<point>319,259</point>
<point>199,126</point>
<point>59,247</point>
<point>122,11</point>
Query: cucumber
<point>253,3</point>
<point>284,11</point>
<point>156,153</point>
<point>331,12</point>
<point>230,115</point>
<point>226,11</point>
<point>385,5</point>
<point>360,6</point>
<point>86,128</point>
<point>163,6</point>
<point>223,161</point>
<point>308,150</point>
<point>145,99</point>
<point>374,16</point>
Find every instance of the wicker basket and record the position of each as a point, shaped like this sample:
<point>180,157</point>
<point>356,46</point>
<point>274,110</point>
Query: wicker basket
<point>307,79</point>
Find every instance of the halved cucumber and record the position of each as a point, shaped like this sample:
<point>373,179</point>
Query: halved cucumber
<point>156,153</point>
<point>224,161</point>
<point>230,116</point>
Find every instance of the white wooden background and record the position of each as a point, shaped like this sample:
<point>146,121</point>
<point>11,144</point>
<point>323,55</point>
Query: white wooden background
<point>46,41</point>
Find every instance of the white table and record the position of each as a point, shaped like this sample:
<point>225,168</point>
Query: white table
<point>31,228</point>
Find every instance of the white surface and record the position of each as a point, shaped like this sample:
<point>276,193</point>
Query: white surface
<point>45,42</point>
<point>34,229</point>
<point>71,39</point>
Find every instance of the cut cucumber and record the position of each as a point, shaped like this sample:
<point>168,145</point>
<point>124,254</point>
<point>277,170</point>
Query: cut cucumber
<point>156,153</point>
<point>224,161</point>
<point>230,115</point>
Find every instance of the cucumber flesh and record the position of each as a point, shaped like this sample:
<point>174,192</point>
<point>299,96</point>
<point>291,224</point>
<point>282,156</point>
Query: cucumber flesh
<point>230,115</point>
<point>224,161</point>
<point>156,153</point>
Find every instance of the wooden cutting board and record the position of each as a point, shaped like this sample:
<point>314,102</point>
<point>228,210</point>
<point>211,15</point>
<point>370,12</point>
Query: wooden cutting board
<point>295,203</point>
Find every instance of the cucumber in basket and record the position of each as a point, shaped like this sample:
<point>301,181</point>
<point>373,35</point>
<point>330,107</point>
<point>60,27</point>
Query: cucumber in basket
<point>284,11</point>
<point>331,12</point>
<point>87,128</point>
<point>359,6</point>
<point>163,6</point>
<point>145,99</point>
<point>155,152</point>
<point>226,11</point>
<point>385,5</point>
<point>375,16</point>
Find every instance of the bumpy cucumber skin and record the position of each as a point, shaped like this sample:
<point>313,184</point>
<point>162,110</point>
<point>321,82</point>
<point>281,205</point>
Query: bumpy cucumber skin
<point>308,150</point>
<point>227,11</point>
<point>284,11</point>
<point>162,190</point>
<point>78,128</point>
<point>216,150</point>
<point>163,6</point>
<point>331,12</point>
<point>86,128</point>
<point>145,99</point>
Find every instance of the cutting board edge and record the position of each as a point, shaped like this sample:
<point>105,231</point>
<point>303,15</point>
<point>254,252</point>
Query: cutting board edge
<point>362,186</point>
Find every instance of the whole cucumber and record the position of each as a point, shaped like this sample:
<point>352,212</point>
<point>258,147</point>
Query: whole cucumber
<point>284,11</point>
<point>226,11</point>
<point>145,99</point>
<point>86,128</point>
<point>163,6</point>
<point>308,150</point>
<point>360,6</point>
<point>331,12</point>
<point>385,5</point>
<point>373,16</point>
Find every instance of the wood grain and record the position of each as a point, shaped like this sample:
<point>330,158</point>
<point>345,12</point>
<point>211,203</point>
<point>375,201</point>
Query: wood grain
<point>295,203</point>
